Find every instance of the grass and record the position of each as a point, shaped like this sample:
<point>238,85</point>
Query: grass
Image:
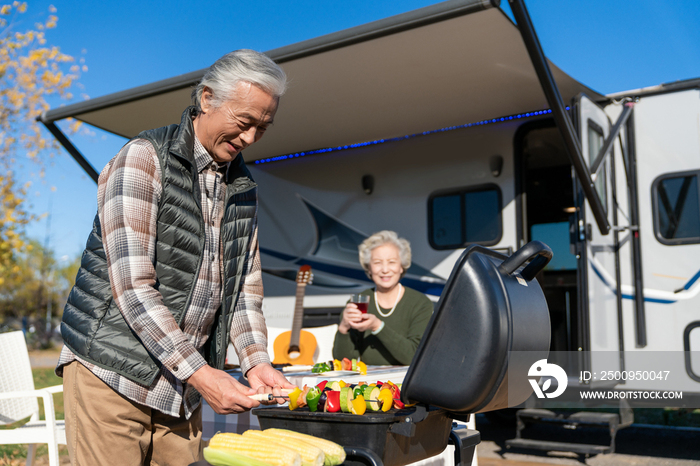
<point>43,377</point>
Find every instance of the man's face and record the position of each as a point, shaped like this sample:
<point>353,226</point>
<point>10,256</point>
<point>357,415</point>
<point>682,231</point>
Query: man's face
<point>237,123</point>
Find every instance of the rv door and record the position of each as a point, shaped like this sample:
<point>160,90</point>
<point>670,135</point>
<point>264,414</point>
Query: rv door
<point>598,299</point>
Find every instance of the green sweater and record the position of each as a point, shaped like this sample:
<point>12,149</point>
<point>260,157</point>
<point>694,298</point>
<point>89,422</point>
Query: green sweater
<point>397,342</point>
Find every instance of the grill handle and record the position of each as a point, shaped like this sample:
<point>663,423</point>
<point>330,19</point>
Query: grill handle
<point>537,252</point>
<point>363,455</point>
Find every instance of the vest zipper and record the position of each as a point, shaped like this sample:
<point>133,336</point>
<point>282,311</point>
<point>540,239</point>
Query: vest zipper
<point>248,186</point>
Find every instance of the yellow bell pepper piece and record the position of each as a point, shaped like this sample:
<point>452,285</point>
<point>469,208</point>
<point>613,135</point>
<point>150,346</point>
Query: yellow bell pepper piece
<point>293,395</point>
<point>362,367</point>
<point>387,399</point>
<point>358,405</point>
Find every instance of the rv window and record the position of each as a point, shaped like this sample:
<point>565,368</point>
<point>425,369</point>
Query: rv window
<point>465,216</point>
<point>677,208</point>
<point>595,143</point>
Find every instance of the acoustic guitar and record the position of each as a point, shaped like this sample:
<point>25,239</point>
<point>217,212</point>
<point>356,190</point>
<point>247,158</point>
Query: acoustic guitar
<point>297,346</point>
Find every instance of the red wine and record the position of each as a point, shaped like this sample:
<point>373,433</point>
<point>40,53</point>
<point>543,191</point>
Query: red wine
<point>362,307</point>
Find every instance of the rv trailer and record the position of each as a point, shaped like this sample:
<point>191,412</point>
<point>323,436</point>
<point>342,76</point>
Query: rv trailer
<point>449,126</point>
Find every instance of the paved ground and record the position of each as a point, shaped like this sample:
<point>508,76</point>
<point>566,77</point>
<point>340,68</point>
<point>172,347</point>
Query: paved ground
<point>504,462</point>
<point>47,358</point>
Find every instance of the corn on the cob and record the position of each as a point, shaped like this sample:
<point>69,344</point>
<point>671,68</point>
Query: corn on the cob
<point>335,454</point>
<point>228,458</point>
<point>310,455</point>
<point>263,450</point>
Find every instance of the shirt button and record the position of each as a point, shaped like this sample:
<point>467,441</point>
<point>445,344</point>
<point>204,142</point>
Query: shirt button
<point>175,368</point>
<point>212,257</point>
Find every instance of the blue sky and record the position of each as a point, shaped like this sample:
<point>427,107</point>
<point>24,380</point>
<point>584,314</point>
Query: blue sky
<point>608,45</point>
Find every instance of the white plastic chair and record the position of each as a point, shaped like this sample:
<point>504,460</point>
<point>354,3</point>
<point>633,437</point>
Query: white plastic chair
<point>18,400</point>
<point>325,336</point>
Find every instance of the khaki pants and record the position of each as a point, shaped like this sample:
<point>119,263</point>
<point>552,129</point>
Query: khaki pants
<point>104,428</point>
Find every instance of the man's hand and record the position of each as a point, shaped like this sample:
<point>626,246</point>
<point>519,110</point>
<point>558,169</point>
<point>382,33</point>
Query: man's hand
<point>224,394</point>
<point>264,378</point>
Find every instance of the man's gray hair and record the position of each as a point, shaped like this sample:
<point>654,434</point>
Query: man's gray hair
<point>238,66</point>
<point>379,239</point>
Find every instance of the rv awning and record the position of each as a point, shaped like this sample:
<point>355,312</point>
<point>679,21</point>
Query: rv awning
<point>445,65</point>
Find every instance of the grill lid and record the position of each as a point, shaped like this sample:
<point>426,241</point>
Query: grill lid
<point>491,324</point>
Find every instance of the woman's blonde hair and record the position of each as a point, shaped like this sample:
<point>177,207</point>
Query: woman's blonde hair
<point>379,239</point>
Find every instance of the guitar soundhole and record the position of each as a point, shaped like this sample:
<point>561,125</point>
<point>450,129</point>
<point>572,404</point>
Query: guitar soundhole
<point>294,352</point>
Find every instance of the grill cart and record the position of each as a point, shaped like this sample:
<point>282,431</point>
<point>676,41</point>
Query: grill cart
<point>491,306</point>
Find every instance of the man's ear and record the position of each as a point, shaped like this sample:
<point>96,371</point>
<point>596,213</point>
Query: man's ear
<point>205,100</point>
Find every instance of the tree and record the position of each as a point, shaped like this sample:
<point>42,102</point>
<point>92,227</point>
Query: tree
<point>12,218</point>
<point>36,283</point>
<point>31,73</point>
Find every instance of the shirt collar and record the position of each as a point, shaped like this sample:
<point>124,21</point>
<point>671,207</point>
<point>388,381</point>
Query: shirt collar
<point>203,159</point>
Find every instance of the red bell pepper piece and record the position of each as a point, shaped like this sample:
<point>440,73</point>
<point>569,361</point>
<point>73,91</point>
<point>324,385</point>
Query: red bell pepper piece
<point>396,394</point>
<point>332,402</point>
<point>321,385</point>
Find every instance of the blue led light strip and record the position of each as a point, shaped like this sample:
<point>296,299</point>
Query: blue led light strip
<point>401,138</point>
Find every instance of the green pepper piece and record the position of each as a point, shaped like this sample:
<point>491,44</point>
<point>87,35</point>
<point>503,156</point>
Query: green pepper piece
<point>317,368</point>
<point>312,398</point>
<point>357,391</point>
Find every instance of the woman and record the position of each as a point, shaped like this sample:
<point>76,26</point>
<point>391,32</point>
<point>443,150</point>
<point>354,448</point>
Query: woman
<point>389,333</point>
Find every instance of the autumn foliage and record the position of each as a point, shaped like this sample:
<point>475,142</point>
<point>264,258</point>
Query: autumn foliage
<point>12,218</point>
<point>32,74</point>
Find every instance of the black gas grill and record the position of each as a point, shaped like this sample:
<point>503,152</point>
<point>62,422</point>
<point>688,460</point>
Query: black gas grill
<point>491,307</point>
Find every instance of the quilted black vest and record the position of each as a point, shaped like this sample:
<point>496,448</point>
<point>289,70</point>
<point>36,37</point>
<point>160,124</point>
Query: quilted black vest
<point>92,326</point>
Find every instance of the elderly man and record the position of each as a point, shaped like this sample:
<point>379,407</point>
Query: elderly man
<point>171,272</point>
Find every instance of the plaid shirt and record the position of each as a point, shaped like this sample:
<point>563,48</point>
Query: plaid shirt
<point>128,194</point>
